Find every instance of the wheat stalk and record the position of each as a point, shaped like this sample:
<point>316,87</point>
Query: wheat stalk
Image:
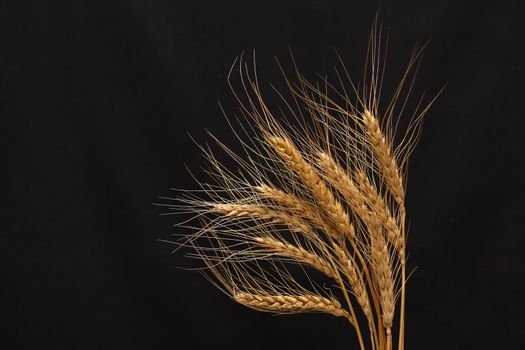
<point>324,189</point>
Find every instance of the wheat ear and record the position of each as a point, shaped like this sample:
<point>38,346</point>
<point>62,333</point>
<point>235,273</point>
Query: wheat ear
<point>383,215</point>
<point>341,181</point>
<point>332,208</point>
<point>296,253</point>
<point>382,150</point>
<point>297,206</point>
<point>259,212</point>
<point>291,303</point>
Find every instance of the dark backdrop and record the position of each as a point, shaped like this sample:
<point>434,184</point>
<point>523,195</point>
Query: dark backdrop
<point>97,98</point>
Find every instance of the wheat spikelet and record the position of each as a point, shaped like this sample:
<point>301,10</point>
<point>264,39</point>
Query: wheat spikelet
<point>291,303</point>
<point>332,208</point>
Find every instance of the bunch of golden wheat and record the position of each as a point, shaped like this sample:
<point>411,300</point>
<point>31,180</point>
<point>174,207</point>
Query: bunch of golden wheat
<point>320,187</point>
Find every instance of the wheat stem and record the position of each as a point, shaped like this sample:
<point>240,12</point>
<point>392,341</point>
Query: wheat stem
<point>401,344</point>
<point>372,291</point>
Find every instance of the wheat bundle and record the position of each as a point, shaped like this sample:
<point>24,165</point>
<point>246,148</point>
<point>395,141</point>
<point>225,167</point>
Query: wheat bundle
<point>323,189</point>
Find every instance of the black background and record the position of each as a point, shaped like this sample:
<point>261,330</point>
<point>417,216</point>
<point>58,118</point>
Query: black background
<point>97,99</point>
